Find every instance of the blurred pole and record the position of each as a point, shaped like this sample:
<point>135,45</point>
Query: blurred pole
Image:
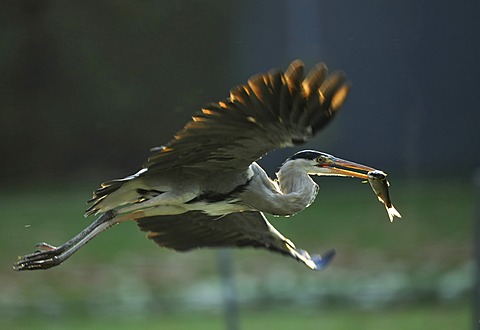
<point>476,251</point>
<point>230,301</point>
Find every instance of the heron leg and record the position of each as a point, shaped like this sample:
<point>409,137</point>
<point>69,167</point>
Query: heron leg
<point>49,256</point>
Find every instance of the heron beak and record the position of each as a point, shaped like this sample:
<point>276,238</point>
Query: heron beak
<point>343,167</point>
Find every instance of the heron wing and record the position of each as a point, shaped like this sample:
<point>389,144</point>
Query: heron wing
<point>273,110</point>
<point>195,229</point>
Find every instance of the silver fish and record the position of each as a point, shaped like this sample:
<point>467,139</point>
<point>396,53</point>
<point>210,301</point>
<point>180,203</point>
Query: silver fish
<point>379,183</point>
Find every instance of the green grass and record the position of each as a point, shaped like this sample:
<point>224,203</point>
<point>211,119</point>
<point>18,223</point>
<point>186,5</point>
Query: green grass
<point>439,318</point>
<point>120,267</point>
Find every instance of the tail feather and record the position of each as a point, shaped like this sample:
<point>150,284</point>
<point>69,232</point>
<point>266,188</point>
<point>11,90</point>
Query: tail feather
<point>101,193</point>
<point>109,188</point>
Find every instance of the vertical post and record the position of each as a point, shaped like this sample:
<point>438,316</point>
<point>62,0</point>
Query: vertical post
<point>230,301</point>
<point>476,251</point>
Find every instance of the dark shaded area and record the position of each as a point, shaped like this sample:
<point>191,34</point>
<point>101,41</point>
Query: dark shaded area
<point>87,88</point>
<point>90,86</point>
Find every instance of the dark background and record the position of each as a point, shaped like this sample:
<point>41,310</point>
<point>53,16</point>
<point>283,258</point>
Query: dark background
<point>87,88</point>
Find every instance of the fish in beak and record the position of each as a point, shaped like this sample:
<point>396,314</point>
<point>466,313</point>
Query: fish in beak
<point>330,165</point>
<point>378,182</point>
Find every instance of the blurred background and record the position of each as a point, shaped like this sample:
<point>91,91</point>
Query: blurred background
<point>86,88</point>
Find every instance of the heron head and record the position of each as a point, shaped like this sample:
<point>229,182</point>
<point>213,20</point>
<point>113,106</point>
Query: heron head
<point>322,164</point>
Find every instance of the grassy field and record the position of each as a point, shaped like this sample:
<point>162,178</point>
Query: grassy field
<point>439,318</point>
<point>413,273</point>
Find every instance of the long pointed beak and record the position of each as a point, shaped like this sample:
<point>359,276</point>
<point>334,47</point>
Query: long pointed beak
<point>346,168</point>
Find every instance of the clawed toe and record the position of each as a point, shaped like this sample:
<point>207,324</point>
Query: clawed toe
<point>45,247</point>
<point>39,259</point>
<point>48,256</point>
<point>36,264</point>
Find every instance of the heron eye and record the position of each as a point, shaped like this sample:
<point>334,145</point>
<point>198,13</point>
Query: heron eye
<point>320,159</point>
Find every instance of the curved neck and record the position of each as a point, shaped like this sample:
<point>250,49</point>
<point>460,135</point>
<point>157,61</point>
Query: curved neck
<point>292,192</point>
<point>297,187</point>
<point>292,179</point>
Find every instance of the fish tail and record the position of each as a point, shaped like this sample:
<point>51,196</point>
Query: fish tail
<point>392,212</point>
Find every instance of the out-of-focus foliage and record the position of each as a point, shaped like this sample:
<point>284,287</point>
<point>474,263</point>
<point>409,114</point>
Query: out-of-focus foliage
<point>88,85</point>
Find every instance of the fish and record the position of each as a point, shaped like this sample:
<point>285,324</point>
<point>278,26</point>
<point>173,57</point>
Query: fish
<point>378,182</point>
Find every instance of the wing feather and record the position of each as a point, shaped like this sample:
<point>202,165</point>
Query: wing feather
<point>314,79</point>
<point>195,229</point>
<point>271,111</point>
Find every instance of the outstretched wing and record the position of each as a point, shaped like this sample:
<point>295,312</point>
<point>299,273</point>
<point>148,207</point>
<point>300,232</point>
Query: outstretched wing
<point>271,111</point>
<point>195,229</point>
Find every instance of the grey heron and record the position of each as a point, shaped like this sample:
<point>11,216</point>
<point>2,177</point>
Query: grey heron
<point>205,189</point>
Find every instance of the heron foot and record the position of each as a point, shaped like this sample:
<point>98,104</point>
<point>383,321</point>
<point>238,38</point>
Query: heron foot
<point>48,256</point>
<point>45,257</point>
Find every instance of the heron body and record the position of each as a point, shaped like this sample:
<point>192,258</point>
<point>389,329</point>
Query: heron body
<point>205,189</point>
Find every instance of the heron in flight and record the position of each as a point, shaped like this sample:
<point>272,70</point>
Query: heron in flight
<point>205,189</point>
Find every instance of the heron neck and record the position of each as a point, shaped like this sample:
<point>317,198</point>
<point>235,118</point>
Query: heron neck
<point>293,180</point>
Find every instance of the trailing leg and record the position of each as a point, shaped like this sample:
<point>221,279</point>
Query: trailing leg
<point>49,256</point>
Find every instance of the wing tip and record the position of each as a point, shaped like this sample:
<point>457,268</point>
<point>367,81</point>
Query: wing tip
<point>317,262</point>
<point>322,261</point>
